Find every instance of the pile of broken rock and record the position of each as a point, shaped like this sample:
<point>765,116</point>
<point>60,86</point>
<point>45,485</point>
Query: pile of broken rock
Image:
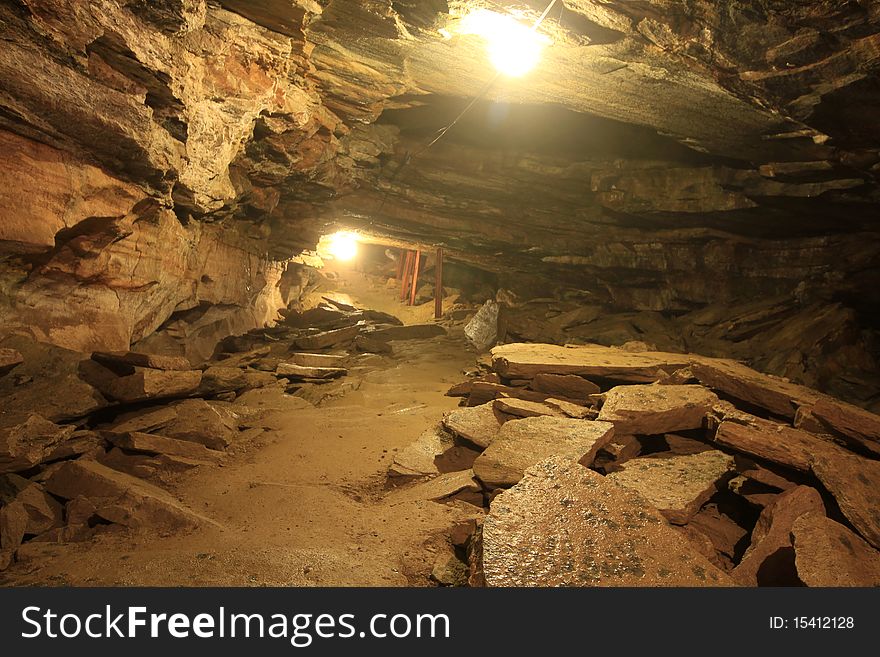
<point>605,467</point>
<point>87,442</point>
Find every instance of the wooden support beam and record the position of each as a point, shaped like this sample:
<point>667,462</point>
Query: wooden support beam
<point>399,264</point>
<point>438,285</point>
<point>404,288</point>
<point>415,278</point>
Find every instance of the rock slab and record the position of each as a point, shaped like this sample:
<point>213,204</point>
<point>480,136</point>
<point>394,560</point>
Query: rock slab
<point>523,443</point>
<point>565,525</point>
<point>678,485</point>
<point>656,409</point>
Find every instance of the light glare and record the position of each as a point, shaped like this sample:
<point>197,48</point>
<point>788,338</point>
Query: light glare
<point>343,245</point>
<point>514,49</point>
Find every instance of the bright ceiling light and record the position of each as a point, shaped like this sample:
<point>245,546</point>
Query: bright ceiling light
<point>342,245</point>
<point>514,48</point>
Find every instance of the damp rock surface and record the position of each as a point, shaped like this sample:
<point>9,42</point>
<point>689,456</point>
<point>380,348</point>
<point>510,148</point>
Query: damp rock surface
<point>564,525</point>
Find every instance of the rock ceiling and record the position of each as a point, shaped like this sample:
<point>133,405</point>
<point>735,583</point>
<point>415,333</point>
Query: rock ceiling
<point>664,153</point>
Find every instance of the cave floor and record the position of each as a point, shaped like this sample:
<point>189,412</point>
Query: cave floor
<point>303,503</point>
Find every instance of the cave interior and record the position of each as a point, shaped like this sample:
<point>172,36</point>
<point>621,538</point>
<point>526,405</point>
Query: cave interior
<point>405,293</point>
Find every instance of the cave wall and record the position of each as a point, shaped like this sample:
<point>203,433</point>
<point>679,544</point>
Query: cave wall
<point>163,161</point>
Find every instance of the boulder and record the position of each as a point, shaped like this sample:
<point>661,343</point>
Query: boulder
<point>854,482</point>
<point>566,385</point>
<point>524,408</point>
<point>656,409</point>
<point>27,440</point>
<point>478,424</point>
<point>678,485</point>
<point>769,560</point>
<point>520,444</point>
<point>146,384</point>
<point>828,554</point>
<point>122,499</point>
<point>565,525</point>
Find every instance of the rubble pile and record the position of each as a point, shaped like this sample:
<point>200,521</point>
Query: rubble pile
<point>600,466</point>
<point>88,443</point>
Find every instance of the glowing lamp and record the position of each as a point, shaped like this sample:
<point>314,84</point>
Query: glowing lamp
<point>514,49</point>
<point>342,245</point>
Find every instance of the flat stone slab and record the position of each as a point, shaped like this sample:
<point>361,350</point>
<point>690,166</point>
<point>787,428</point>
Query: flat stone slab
<point>773,442</point>
<point>135,359</point>
<point>293,371</point>
<point>657,409</point>
<point>740,382</point>
<point>417,458</point>
<point>854,481</point>
<point>327,339</point>
<point>121,498</point>
<point>152,384</point>
<point>525,408</point>
<point>439,488</point>
<point>565,525</point>
<point>566,385</point>
<point>769,560</point>
<point>316,360</point>
<point>218,379</point>
<point>477,424</point>
<point>856,424</point>
<point>829,554</point>
<point>677,485</point>
<point>526,360</point>
<point>523,443</point>
<point>148,443</point>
